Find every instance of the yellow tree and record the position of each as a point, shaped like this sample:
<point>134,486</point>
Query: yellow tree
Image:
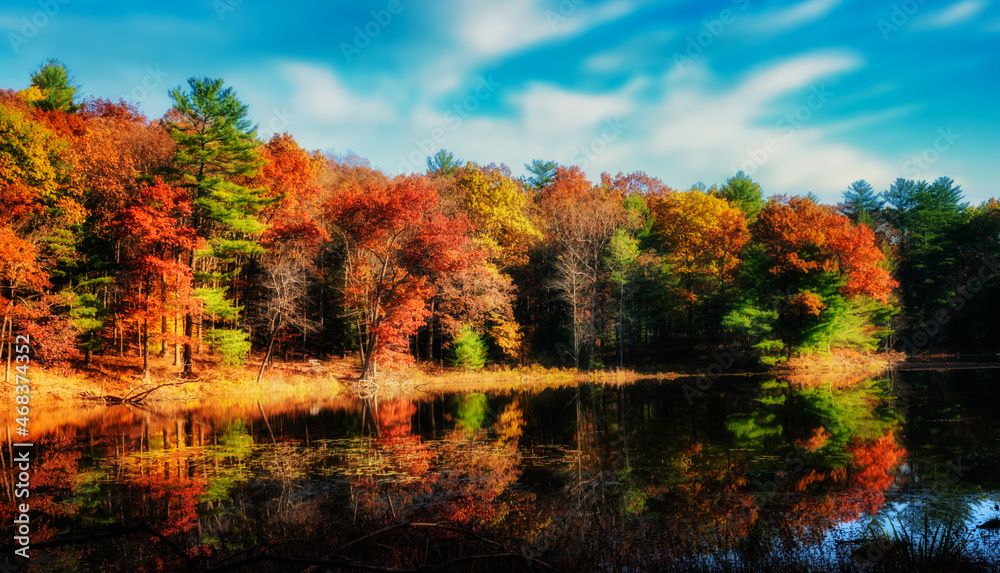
<point>40,206</point>
<point>483,296</point>
<point>701,237</point>
<point>499,209</point>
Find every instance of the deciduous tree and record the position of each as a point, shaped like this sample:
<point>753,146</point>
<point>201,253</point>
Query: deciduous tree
<point>394,242</point>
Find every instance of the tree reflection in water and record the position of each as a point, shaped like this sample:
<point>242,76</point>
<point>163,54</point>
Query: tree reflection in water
<point>589,477</point>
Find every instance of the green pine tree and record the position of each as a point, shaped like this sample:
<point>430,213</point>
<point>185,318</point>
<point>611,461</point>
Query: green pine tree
<point>744,194</point>
<point>862,204</point>
<point>216,148</point>
<point>53,80</point>
<point>468,350</point>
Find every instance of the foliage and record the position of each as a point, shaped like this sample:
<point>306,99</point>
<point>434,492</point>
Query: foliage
<point>54,87</point>
<point>443,164</point>
<point>743,193</point>
<point>468,350</point>
<point>232,344</point>
<point>543,173</point>
<point>118,231</point>
<point>394,240</point>
<point>498,209</point>
<point>898,546</point>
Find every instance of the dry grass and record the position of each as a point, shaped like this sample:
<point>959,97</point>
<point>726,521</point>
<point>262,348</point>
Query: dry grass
<point>534,377</point>
<point>121,377</point>
<point>840,368</point>
<point>112,376</point>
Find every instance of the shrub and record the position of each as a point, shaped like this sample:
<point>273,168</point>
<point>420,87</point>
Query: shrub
<point>468,350</point>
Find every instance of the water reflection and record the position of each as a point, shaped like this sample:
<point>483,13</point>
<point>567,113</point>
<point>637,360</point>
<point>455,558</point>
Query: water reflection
<point>629,476</point>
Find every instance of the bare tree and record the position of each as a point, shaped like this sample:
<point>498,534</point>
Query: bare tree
<point>581,218</point>
<point>288,277</point>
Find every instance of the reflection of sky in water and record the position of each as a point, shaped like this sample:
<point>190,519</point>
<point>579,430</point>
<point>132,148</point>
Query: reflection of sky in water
<point>972,511</point>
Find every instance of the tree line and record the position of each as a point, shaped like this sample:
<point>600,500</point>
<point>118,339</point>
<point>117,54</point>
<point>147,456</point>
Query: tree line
<point>189,236</point>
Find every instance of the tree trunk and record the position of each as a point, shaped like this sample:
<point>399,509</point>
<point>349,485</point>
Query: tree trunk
<point>267,356</point>
<point>177,344</point>
<point>430,335</point>
<point>188,331</point>
<point>576,334</point>
<point>145,350</point>
<point>368,367</point>
<point>8,324</point>
<point>592,328</point>
<point>163,317</point>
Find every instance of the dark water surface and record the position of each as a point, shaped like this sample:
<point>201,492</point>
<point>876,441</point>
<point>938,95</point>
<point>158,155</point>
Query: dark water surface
<point>590,477</point>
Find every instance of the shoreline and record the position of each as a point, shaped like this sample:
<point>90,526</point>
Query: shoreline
<point>118,379</point>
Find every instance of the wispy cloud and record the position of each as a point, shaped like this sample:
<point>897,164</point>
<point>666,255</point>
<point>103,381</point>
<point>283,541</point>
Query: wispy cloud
<point>790,18</point>
<point>954,15</point>
<point>318,89</point>
<point>490,29</point>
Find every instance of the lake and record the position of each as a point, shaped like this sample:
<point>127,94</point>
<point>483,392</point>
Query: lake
<point>756,474</point>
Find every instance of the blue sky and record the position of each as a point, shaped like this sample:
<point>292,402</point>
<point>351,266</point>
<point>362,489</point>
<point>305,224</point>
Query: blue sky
<point>806,96</point>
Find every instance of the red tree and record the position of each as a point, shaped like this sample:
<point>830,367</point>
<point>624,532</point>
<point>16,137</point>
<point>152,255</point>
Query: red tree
<point>802,237</point>
<point>152,228</point>
<point>394,240</point>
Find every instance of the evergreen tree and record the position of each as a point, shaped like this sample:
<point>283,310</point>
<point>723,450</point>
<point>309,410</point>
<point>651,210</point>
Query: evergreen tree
<point>543,173</point>
<point>469,350</point>
<point>926,219</point>
<point>443,164</point>
<point>216,148</point>
<point>744,194</point>
<point>862,204</point>
<point>53,81</point>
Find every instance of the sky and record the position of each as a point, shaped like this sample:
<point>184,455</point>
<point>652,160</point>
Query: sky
<point>804,96</point>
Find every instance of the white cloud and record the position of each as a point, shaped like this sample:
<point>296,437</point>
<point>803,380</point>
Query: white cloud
<point>691,129</point>
<point>319,92</point>
<point>790,18</point>
<point>701,133</point>
<point>954,15</point>
<point>634,53</point>
<point>491,29</point>
<point>680,127</point>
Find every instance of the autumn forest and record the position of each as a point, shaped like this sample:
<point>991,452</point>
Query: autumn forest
<point>189,238</point>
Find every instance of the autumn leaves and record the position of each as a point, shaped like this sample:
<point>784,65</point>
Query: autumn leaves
<point>121,234</point>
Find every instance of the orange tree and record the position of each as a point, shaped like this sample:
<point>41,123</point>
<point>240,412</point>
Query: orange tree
<point>825,274</point>
<point>394,241</point>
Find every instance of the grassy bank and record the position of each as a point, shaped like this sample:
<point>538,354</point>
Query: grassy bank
<point>115,378</point>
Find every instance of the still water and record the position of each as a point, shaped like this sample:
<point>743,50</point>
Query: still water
<point>591,477</point>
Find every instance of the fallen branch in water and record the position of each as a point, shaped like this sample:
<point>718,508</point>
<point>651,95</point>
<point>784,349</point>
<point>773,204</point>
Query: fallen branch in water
<point>136,398</point>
